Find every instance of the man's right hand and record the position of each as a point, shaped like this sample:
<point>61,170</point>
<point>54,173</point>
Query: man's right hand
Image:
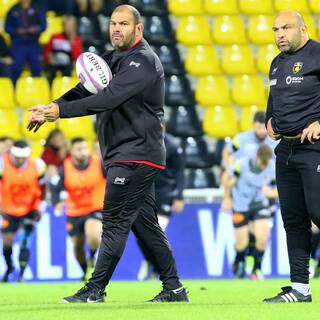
<point>273,135</point>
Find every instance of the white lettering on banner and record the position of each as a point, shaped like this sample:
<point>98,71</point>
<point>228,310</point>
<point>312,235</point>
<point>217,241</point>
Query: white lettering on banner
<point>282,254</point>
<point>73,269</point>
<point>214,246</point>
<point>45,269</point>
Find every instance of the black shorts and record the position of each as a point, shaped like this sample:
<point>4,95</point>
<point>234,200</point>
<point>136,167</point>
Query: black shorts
<point>11,224</point>
<point>75,225</point>
<point>241,219</point>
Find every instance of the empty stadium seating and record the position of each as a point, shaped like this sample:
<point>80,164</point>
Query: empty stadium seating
<point>5,6</point>
<point>77,127</point>
<point>228,30</point>
<point>297,5</point>
<point>61,85</point>
<point>314,6</point>
<point>196,153</point>
<point>265,55</point>
<point>260,29</point>
<point>248,90</point>
<point>150,7</point>
<point>193,30</point>
<point>202,60</point>
<point>221,7</point>
<point>178,91</point>
<point>238,59</point>
<point>9,124</point>
<point>158,30</point>
<point>184,122</point>
<point>7,98</point>
<point>170,58</point>
<point>246,116</point>
<point>31,91</point>
<point>220,122</point>
<point>256,6</point>
<point>200,178</point>
<point>186,7</point>
<point>212,90</point>
<point>54,25</point>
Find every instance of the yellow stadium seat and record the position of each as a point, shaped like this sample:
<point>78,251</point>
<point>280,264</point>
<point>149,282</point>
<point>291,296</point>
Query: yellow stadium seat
<point>220,122</point>
<point>238,60</point>
<point>6,93</point>
<point>42,133</point>
<point>77,127</point>
<point>265,55</point>
<point>31,91</point>
<point>260,29</point>
<point>5,6</point>
<point>193,30</point>
<point>61,85</point>
<point>54,25</point>
<point>249,7</point>
<point>37,148</point>
<point>248,90</point>
<point>185,7</point>
<point>202,60</point>
<point>315,6</point>
<point>228,30</point>
<point>213,90</point>
<point>297,5</point>
<point>220,7</point>
<point>246,116</point>
<point>9,124</point>
<point>311,25</point>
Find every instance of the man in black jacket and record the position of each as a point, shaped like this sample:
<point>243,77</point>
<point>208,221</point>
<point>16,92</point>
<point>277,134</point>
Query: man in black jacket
<point>130,131</point>
<point>293,116</point>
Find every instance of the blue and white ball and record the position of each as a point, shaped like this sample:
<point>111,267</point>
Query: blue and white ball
<point>93,72</point>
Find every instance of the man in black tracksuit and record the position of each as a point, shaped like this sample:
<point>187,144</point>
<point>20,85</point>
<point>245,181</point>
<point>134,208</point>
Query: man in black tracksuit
<point>130,131</point>
<point>293,116</point>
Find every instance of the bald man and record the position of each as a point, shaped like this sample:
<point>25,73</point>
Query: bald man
<point>131,136</point>
<point>293,115</point>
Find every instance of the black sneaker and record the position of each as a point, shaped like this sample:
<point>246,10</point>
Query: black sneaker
<point>86,294</point>
<point>5,277</point>
<point>171,296</point>
<point>239,269</point>
<point>289,295</point>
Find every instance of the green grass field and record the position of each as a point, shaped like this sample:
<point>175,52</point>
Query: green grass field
<point>214,299</point>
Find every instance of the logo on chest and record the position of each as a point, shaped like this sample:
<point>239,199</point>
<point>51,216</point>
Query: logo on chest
<point>297,67</point>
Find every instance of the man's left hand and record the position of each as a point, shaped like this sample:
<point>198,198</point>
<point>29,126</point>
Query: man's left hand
<point>177,205</point>
<point>312,132</point>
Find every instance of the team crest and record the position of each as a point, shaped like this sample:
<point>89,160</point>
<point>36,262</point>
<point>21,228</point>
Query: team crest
<point>297,67</point>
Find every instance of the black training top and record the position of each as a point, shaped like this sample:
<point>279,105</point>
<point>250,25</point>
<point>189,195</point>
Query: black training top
<point>294,99</point>
<point>129,110</point>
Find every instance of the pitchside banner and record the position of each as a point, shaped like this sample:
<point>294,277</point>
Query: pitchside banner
<point>201,237</point>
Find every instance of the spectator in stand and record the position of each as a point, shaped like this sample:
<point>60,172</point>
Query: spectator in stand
<point>63,49</point>
<point>24,23</point>
<point>5,59</point>
<point>60,7</point>
<point>55,149</point>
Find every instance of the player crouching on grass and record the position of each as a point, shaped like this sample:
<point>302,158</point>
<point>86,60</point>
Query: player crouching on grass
<point>23,187</point>
<point>252,189</point>
<point>81,183</point>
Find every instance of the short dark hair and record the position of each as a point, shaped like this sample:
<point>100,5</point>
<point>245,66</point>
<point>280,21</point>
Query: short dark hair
<point>21,144</point>
<point>260,117</point>
<point>264,153</point>
<point>135,13</point>
<point>77,140</point>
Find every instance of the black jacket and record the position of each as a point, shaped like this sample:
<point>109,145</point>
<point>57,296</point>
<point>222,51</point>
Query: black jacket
<point>294,99</point>
<point>129,110</point>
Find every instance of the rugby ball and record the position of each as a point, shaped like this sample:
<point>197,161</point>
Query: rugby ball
<point>93,72</point>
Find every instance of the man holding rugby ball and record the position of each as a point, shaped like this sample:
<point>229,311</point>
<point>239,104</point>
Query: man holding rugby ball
<point>130,131</point>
